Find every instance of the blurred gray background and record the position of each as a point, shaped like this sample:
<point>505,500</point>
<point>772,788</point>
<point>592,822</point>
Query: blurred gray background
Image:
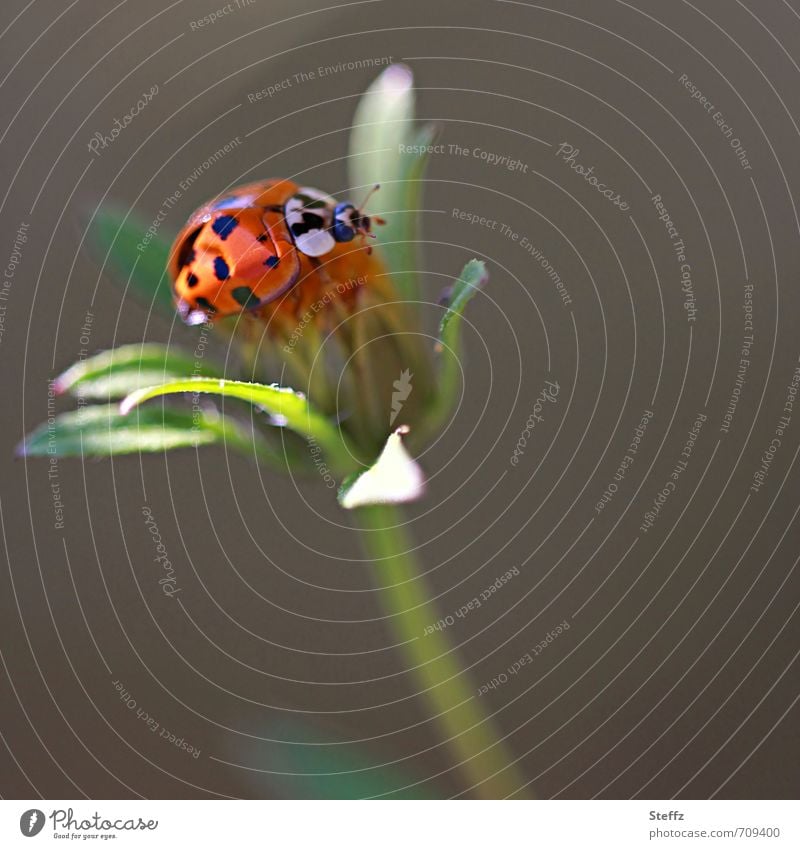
<point>678,674</point>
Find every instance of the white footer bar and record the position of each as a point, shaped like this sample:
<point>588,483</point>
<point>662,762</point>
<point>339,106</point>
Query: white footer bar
<point>406,824</point>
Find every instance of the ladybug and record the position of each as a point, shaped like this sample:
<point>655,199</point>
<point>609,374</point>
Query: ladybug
<point>250,247</point>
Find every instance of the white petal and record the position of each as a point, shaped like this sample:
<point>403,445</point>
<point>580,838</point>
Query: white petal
<point>396,478</point>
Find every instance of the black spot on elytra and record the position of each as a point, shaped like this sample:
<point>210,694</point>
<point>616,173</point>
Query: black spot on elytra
<point>245,296</point>
<point>224,226</point>
<point>205,304</point>
<point>271,261</point>
<point>192,280</point>
<point>221,268</point>
<point>186,250</point>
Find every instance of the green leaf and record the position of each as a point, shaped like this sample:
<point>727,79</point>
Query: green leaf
<point>120,371</point>
<point>404,229</point>
<point>282,403</point>
<point>135,256</point>
<point>473,277</point>
<point>101,430</point>
<point>383,119</point>
<point>382,153</point>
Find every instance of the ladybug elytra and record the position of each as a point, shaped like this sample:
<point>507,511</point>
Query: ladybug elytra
<point>251,246</point>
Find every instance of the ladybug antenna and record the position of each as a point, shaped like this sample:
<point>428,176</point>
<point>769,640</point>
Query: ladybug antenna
<point>362,222</point>
<point>369,194</point>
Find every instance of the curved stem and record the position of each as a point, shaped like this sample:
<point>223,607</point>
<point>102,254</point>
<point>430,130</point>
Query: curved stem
<point>469,731</point>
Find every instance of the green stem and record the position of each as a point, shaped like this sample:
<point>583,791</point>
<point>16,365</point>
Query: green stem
<point>469,732</point>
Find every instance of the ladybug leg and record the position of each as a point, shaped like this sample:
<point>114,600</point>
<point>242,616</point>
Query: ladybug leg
<point>327,280</point>
<point>364,234</point>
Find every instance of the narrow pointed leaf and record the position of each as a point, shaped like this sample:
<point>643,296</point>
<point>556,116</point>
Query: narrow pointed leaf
<point>283,404</point>
<point>472,278</point>
<point>403,229</point>
<point>382,153</point>
<point>118,372</point>
<point>383,119</point>
<point>100,430</point>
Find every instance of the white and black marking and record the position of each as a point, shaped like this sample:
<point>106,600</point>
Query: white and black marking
<point>309,216</point>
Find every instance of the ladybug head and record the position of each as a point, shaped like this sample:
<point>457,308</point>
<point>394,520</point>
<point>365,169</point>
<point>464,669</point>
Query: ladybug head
<point>349,221</point>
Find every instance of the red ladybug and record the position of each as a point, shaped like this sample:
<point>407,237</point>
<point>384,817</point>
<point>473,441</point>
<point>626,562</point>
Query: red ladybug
<point>248,248</point>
